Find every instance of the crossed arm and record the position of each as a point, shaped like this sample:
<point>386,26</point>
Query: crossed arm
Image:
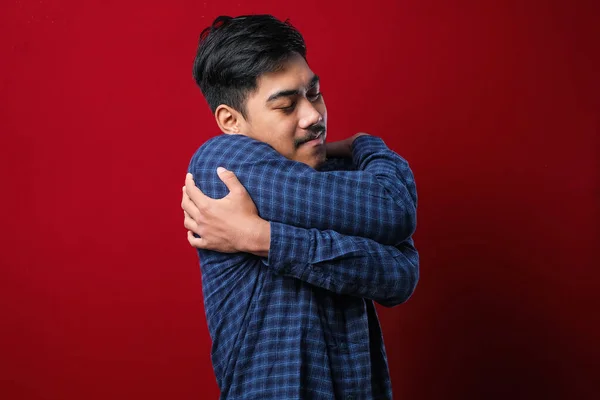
<point>342,262</point>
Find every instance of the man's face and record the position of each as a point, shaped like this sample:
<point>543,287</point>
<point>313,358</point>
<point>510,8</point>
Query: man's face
<point>287,112</point>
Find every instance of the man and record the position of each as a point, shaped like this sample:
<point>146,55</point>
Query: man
<point>309,233</point>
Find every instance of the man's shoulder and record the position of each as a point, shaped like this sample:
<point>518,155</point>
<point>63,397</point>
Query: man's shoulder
<point>224,143</point>
<point>226,148</point>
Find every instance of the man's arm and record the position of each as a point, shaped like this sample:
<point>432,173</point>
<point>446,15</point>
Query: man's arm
<point>378,201</point>
<point>345,264</point>
<point>342,264</point>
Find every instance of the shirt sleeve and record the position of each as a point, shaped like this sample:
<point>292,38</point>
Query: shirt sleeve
<point>345,264</point>
<point>377,201</point>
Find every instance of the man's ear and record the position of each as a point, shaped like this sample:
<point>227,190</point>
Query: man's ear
<point>229,120</point>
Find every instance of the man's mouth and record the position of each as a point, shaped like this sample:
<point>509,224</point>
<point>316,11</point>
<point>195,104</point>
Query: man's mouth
<point>318,136</point>
<point>316,140</point>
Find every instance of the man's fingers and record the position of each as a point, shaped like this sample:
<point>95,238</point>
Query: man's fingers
<point>189,206</point>
<point>198,243</point>
<point>195,194</point>
<point>189,223</point>
<point>230,180</point>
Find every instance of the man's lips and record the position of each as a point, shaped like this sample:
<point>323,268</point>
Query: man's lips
<point>316,139</point>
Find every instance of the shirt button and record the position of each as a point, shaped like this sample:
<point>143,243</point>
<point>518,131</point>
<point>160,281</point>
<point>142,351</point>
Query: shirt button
<point>343,346</point>
<point>350,397</point>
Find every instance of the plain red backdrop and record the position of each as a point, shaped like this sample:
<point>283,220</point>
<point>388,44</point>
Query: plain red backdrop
<point>495,104</point>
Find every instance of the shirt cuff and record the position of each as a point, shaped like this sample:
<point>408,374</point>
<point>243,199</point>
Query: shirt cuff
<point>290,249</point>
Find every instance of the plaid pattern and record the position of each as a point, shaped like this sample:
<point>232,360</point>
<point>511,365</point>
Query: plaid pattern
<point>302,323</point>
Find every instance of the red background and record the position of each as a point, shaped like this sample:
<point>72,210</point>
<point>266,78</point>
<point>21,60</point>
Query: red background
<point>495,106</point>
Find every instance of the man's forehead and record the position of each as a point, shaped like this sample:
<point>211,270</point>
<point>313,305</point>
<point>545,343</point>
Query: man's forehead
<point>294,75</point>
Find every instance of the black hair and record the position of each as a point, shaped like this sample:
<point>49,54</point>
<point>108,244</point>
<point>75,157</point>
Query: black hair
<point>234,52</point>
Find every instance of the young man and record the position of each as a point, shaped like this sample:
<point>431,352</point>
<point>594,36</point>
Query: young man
<point>309,235</point>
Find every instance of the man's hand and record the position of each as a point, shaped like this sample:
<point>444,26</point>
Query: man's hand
<point>227,225</point>
<point>342,148</point>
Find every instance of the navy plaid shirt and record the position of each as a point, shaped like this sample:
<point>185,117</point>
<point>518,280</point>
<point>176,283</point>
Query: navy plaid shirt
<point>302,323</point>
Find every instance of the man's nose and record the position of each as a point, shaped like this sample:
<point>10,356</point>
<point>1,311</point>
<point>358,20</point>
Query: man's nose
<point>310,115</point>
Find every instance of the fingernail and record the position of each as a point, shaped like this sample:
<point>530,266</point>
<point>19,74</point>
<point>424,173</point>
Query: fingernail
<point>188,175</point>
<point>220,170</point>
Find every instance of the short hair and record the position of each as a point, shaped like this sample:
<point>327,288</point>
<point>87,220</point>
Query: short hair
<point>234,52</point>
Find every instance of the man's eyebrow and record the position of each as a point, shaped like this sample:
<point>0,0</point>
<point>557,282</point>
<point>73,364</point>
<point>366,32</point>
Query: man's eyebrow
<point>313,82</point>
<point>292,92</point>
<point>283,93</point>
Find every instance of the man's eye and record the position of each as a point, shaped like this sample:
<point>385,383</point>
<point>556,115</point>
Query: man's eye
<point>314,97</point>
<point>289,108</point>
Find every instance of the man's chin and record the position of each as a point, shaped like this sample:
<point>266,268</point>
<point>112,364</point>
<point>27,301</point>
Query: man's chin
<point>314,157</point>
<point>317,160</point>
